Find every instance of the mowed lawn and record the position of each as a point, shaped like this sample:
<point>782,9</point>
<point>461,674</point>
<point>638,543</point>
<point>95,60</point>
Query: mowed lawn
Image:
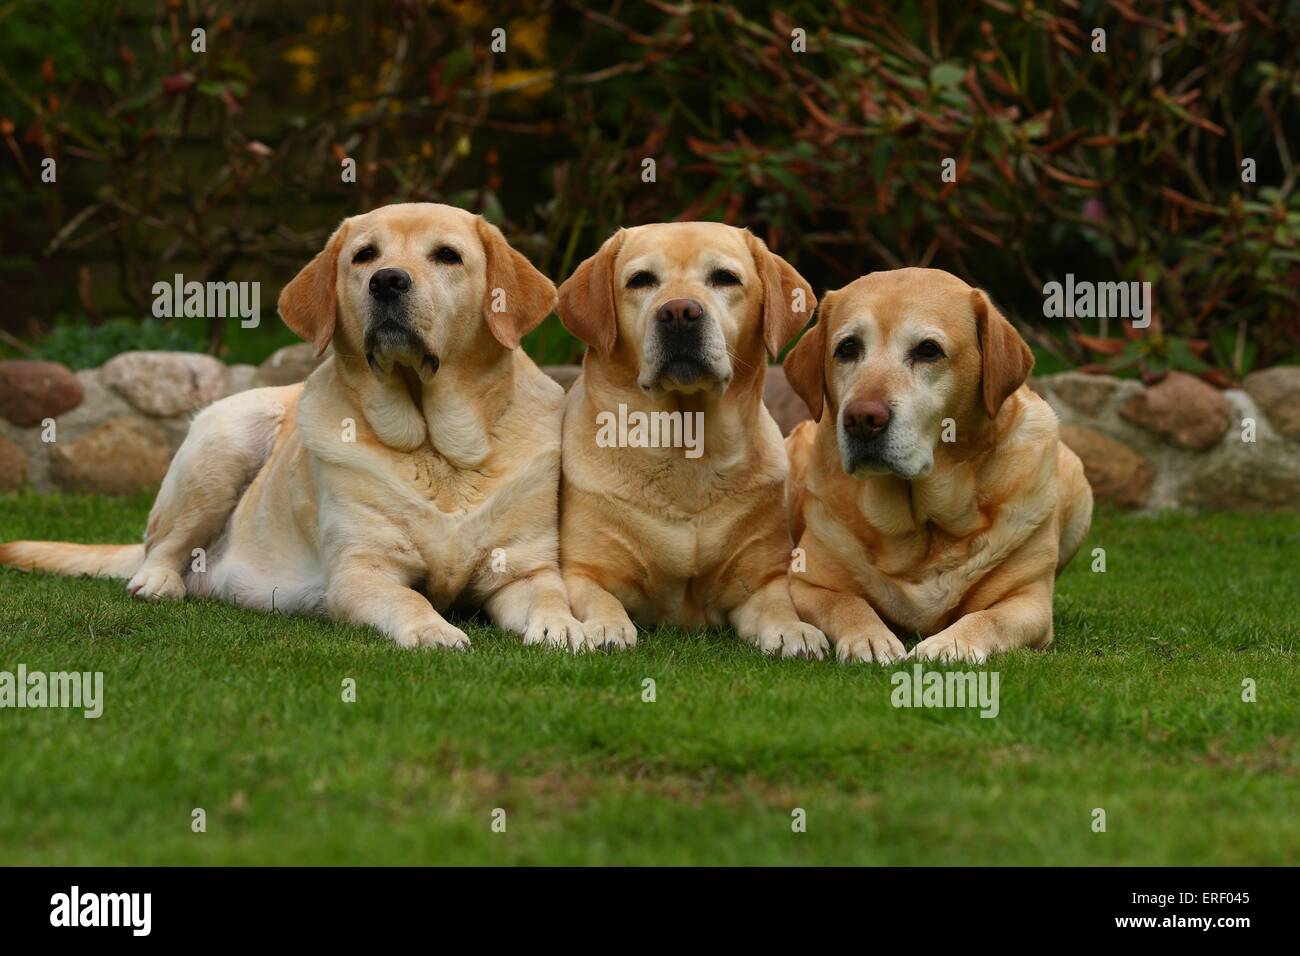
<point>1136,710</point>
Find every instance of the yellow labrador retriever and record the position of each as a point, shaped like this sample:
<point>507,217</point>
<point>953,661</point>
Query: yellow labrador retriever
<point>416,469</point>
<point>931,494</point>
<point>673,470</point>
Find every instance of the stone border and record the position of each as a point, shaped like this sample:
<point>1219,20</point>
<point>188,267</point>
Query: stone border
<point>115,428</point>
<point>1180,443</point>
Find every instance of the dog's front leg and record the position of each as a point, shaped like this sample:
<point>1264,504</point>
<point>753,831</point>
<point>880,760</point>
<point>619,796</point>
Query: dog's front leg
<point>365,590</point>
<point>604,619</point>
<point>1022,619</point>
<point>768,620</point>
<point>537,607</point>
<point>852,624</point>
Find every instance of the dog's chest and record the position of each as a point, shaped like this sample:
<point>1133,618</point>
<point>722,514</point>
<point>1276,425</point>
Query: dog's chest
<point>919,560</point>
<point>693,537</point>
<point>445,488</point>
<point>471,526</point>
<point>455,518</point>
<point>921,580</point>
<point>686,570</point>
<point>918,585</point>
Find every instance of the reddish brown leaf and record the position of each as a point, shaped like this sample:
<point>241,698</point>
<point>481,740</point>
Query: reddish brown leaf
<point>1187,201</point>
<point>177,83</point>
<point>1070,179</point>
<point>1099,345</point>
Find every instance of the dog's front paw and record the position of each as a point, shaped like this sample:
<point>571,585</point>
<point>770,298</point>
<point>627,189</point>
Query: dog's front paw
<point>949,647</point>
<point>611,634</point>
<point>437,634</point>
<point>795,639</point>
<point>156,584</point>
<point>557,630</point>
<point>883,648</point>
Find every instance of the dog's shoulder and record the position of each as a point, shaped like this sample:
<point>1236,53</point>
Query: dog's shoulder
<point>798,447</point>
<point>1024,461</point>
<point>322,401</point>
<point>798,451</point>
<point>1036,422</point>
<point>535,388</point>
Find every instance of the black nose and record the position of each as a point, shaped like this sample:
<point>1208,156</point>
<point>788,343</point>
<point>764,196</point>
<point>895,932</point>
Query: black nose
<point>865,419</point>
<point>387,284</point>
<point>679,313</point>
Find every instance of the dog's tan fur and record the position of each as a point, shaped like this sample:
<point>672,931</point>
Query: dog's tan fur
<point>965,551</point>
<point>646,533</point>
<point>445,468</point>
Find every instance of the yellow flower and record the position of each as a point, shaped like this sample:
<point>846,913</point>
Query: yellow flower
<point>326,24</point>
<point>530,82</point>
<point>466,12</point>
<point>530,37</point>
<point>300,55</point>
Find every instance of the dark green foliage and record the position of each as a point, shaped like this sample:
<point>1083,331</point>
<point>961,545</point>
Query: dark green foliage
<point>1122,165</point>
<point>78,344</point>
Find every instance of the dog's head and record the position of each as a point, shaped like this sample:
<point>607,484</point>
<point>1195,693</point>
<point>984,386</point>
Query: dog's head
<point>894,355</point>
<point>681,303</point>
<point>416,285</point>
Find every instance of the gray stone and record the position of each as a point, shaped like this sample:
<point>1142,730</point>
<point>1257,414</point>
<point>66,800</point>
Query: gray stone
<point>1277,393</point>
<point>566,375</point>
<point>288,365</point>
<point>1114,470</point>
<point>13,465</point>
<point>31,392</point>
<point>101,404</point>
<point>35,451</point>
<point>1255,478</point>
<point>1181,409</point>
<point>239,378</point>
<point>1087,394</point>
<point>164,384</point>
<point>118,457</point>
<point>786,407</point>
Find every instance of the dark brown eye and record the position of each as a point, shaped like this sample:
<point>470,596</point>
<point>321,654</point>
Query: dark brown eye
<point>642,280</point>
<point>849,349</point>
<point>927,351</point>
<point>448,256</point>
<point>723,277</point>
<point>364,254</point>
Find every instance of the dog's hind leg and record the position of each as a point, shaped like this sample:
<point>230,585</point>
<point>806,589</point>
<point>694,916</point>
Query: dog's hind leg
<point>1075,504</point>
<point>228,443</point>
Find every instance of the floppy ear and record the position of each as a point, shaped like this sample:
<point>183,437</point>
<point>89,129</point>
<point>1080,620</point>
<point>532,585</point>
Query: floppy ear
<point>309,304</point>
<point>1007,359</point>
<point>805,367</point>
<point>788,301</point>
<point>587,306</point>
<point>518,297</point>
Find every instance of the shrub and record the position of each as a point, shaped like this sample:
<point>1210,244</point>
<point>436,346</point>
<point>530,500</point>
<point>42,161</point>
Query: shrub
<point>1125,164</point>
<point>78,344</point>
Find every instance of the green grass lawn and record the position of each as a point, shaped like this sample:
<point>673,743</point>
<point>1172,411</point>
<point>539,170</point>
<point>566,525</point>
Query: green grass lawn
<point>1137,709</point>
